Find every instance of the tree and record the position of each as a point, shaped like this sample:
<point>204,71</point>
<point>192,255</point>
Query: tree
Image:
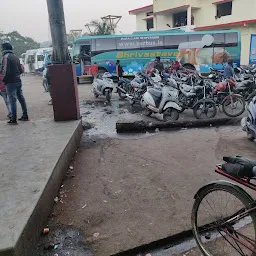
<point>20,43</point>
<point>96,27</point>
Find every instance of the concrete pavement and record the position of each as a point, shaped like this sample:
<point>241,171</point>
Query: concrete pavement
<point>34,156</point>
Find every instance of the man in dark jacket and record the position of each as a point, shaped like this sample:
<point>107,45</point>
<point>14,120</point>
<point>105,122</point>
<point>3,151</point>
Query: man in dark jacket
<point>10,72</point>
<point>159,65</point>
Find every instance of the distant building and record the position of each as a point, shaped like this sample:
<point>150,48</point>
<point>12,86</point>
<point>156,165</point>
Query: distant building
<point>200,15</point>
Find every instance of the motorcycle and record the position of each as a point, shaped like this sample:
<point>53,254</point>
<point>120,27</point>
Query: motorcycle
<point>103,86</point>
<point>197,97</point>
<point>249,123</point>
<point>162,101</point>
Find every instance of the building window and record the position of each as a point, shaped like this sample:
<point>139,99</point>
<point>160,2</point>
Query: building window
<point>180,19</point>
<point>150,22</point>
<point>224,9</point>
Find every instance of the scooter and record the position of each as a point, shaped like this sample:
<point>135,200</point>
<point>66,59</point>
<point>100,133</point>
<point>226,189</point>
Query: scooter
<point>249,123</point>
<point>103,86</point>
<point>162,101</point>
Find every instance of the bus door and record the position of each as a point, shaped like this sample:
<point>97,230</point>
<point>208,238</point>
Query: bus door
<point>85,58</point>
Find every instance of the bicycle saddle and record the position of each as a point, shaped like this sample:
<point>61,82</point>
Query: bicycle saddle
<point>239,167</point>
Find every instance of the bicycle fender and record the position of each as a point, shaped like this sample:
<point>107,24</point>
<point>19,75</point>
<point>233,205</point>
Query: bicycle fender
<point>229,96</point>
<point>226,183</point>
<point>172,104</point>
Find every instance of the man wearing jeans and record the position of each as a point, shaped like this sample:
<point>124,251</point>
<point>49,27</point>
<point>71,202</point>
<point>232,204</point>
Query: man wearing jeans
<point>11,71</point>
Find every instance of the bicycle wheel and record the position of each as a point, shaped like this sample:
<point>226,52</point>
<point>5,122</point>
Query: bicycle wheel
<point>233,106</point>
<point>205,110</point>
<point>213,229</point>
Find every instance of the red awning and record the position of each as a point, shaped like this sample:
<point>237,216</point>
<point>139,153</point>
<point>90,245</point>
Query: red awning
<point>238,23</point>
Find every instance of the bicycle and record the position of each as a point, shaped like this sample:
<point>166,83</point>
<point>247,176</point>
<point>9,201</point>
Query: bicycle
<point>231,231</point>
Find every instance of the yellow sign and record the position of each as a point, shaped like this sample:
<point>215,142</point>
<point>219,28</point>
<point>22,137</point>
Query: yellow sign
<point>127,55</point>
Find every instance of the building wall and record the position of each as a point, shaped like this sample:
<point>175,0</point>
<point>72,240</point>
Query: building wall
<point>141,24</point>
<point>161,22</point>
<point>241,10</point>
<point>160,5</point>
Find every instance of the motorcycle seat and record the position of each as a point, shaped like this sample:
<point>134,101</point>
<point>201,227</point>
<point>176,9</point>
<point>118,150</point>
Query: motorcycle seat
<point>155,92</point>
<point>244,85</point>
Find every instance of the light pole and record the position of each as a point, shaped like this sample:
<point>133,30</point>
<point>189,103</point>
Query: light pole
<point>63,82</point>
<point>58,32</point>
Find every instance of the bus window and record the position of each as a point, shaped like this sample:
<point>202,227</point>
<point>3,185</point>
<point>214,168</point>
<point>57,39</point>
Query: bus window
<point>126,43</point>
<point>105,44</point>
<point>173,41</point>
<point>231,39</point>
<point>219,40</point>
<point>40,57</point>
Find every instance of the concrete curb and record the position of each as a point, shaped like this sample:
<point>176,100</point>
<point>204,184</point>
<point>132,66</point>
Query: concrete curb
<point>126,126</point>
<point>165,242</point>
<point>44,206</point>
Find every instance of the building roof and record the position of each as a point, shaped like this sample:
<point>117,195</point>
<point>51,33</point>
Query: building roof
<point>222,1</point>
<point>237,23</point>
<point>142,9</point>
<point>173,10</point>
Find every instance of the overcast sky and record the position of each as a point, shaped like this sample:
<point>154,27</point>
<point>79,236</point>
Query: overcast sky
<point>30,17</point>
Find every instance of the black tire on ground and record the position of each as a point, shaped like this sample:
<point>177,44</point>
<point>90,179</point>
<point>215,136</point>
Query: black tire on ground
<point>250,136</point>
<point>122,96</point>
<point>171,114</point>
<point>147,112</point>
<point>198,200</point>
<point>227,103</point>
<point>207,106</point>
<point>108,94</point>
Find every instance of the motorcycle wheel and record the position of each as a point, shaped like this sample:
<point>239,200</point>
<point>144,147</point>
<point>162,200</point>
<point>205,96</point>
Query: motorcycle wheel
<point>170,115</point>
<point>122,96</point>
<point>108,94</point>
<point>232,104</point>
<point>147,112</point>
<point>205,110</point>
<point>250,136</point>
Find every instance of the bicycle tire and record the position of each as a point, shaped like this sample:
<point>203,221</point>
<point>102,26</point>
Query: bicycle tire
<point>211,104</point>
<point>239,113</point>
<point>216,187</point>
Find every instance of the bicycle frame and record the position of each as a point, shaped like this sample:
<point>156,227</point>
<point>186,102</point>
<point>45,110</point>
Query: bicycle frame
<point>240,215</point>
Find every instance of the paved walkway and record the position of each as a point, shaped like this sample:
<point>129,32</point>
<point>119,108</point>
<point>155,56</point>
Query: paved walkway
<point>34,156</point>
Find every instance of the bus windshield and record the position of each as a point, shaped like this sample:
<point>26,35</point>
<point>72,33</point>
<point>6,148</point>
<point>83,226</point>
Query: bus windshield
<point>135,52</point>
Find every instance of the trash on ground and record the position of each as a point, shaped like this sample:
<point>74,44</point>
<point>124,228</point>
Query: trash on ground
<point>84,206</point>
<point>105,201</point>
<point>71,167</point>
<point>46,231</point>
<point>95,235</point>
<point>56,199</point>
<point>50,246</point>
<point>157,130</point>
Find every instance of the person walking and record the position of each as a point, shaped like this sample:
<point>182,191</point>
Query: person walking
<point>94,69</point>
<point>119,70</point>
<point>3,93</point>
<point>229,70</point>
<point>11,71</point>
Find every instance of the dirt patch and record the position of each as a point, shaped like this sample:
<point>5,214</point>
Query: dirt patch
<point>126,193</point>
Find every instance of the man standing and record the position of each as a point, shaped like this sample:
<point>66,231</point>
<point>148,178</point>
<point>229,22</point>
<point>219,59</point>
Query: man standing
<point>229,70</point>
<point>11,71</point>
<point>159,65</point>
<point>119,70</point>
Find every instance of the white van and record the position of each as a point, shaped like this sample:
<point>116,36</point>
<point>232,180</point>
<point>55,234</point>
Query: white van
<point>34,60</point>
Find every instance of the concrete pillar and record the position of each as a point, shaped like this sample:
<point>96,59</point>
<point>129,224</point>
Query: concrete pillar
<point>62,73</point>
<point>189,17</point>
